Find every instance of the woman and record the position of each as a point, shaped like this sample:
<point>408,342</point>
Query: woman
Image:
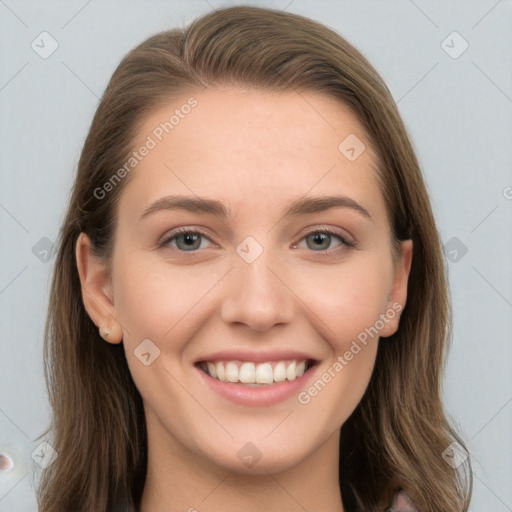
<point>249,310</point>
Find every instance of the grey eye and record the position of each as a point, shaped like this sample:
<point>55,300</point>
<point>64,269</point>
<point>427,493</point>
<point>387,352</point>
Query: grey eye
<point>188,241</point>
<point>319,241</point>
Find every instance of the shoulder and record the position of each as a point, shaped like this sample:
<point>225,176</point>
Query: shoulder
<point>402,502</point>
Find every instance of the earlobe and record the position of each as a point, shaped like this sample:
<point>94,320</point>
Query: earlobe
<point>96,290</point>
<point>397,296</point>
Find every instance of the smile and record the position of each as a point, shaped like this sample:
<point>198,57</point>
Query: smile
<point>247,372</point>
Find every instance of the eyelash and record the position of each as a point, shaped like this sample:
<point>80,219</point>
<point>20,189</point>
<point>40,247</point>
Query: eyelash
<point>345,242</point>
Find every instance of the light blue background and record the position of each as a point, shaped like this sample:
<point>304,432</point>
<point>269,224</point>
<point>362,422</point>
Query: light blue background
<point>459,112</point>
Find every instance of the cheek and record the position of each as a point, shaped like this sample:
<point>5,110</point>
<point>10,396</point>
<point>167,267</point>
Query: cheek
<point>339,385</point>
<point>347,306</point>
<point>154,300</point>
<point>345,299</point>
<point>166,305</point>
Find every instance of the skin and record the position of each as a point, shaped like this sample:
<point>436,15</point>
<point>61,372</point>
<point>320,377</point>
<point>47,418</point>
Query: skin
<point>255,151</point>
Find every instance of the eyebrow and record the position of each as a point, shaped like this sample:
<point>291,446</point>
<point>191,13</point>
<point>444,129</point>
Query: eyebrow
<point>301,206</point>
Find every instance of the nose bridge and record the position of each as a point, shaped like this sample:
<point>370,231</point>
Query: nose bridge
<point>257,295</point>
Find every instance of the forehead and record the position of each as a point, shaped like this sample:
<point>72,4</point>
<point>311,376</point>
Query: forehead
<point>253,147</point>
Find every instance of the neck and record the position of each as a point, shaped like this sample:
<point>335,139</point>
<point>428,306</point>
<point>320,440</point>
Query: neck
<point>179,480</point>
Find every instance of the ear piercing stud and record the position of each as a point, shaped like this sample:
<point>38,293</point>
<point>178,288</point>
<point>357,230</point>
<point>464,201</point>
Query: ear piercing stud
<point>105,332</point>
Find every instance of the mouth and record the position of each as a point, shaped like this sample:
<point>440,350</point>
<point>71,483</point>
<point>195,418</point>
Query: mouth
<point>256,374</point>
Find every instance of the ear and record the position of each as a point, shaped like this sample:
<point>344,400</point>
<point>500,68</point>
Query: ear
<point>397,296</point>
<point>97,290</point>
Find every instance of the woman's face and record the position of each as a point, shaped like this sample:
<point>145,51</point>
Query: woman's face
<point>260,274</point>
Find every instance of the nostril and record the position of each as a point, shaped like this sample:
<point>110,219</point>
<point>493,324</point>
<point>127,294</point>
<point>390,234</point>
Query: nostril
<point>6,463</point>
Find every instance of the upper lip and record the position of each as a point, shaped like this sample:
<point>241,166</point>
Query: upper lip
<point>257,357</point>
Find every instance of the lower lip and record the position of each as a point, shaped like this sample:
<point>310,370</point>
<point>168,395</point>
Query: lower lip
<point>257,396</point>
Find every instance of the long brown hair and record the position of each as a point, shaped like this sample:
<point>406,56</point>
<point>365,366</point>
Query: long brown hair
<point>398,432</point>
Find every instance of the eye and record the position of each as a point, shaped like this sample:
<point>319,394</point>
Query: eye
<point>185,240</point>
<point>321,240</point>
<point>188,240</point>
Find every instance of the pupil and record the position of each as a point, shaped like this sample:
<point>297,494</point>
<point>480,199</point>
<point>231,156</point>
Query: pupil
<point>320,238</point>
<point>190,240</point>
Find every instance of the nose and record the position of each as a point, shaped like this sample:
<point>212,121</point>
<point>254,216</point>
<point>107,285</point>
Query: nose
<point>258,294</point>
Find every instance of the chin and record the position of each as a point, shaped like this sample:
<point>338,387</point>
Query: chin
<point>257,458</point>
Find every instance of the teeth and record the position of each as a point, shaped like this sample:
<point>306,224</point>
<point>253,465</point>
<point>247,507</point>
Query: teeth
<point>219,370</point>
<point>280,372</point>
<point>264,374</point>
<point>211,369</point>
<point>252,373</point>
<point>290,371</point>
<point>247,373</point>
<point>231,372</point>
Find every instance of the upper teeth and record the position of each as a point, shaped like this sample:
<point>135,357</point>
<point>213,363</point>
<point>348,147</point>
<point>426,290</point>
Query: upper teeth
<point>252,373</point>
